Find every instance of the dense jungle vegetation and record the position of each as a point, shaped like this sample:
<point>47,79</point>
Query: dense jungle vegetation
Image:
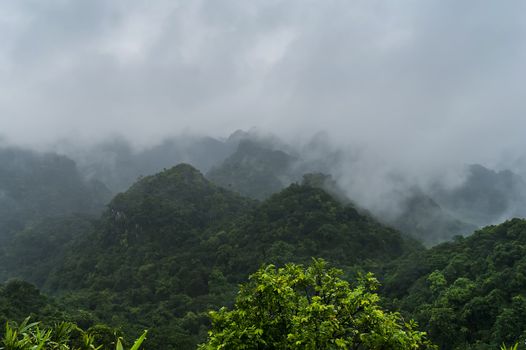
<point>175,246</point>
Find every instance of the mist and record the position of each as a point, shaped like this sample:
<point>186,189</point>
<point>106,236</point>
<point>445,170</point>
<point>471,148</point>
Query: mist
<point>406,92</point>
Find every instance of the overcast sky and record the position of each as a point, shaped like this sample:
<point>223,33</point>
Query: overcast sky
<point>419,81</point>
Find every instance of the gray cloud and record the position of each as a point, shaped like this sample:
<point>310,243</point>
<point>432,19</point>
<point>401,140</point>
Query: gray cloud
<point>414,85</point>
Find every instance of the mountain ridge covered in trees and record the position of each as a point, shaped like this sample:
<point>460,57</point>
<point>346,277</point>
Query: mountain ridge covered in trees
<point>176,241</point>
<point>175,245</point>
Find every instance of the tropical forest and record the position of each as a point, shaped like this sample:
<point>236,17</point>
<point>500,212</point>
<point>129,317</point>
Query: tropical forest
<point>262,175</point>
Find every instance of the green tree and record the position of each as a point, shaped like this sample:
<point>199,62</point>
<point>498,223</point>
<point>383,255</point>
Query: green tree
<point>310,308</point>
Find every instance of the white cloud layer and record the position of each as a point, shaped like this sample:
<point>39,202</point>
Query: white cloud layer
<point>415,83</point>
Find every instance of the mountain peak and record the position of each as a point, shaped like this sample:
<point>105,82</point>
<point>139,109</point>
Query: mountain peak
<point>176,199</point>
<point>184,172</point>
<point>178,177</point>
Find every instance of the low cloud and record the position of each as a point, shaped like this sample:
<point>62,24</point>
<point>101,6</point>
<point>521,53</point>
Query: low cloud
<point>414,86</point>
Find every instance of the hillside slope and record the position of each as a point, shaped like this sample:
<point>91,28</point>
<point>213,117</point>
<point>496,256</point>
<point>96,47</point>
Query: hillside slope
<point>175,245</point>
<point>35,185</point>
<point>485,197</point>
<point>254,170</point>
<point>426,220</point>
<point>469,293</point>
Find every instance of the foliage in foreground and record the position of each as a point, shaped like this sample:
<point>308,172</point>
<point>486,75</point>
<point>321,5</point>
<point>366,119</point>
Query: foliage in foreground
<point>62,336</point>
<point>513,347</point>
<point>310,308</point>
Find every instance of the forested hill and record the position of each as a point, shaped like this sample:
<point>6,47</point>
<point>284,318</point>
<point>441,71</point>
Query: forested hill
<point>254,170</point>
<point>258,166</point>
<point>39,185</point>
<point>486,196</point>
<point>118,164</point>
<point>470,293</point>
<point>179,200</point>
<point>423,218</point>
<point>175,245</point>
<point>303,221</point>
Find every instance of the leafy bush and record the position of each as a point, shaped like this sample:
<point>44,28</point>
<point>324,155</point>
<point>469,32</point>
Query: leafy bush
<point>62,336</point>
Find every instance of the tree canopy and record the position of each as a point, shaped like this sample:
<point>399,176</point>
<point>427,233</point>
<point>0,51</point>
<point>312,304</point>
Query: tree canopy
<point>310,308</point>
<point>470,293</point>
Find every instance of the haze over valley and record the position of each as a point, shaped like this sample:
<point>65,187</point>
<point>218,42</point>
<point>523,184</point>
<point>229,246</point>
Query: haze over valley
<point>262,175</point>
